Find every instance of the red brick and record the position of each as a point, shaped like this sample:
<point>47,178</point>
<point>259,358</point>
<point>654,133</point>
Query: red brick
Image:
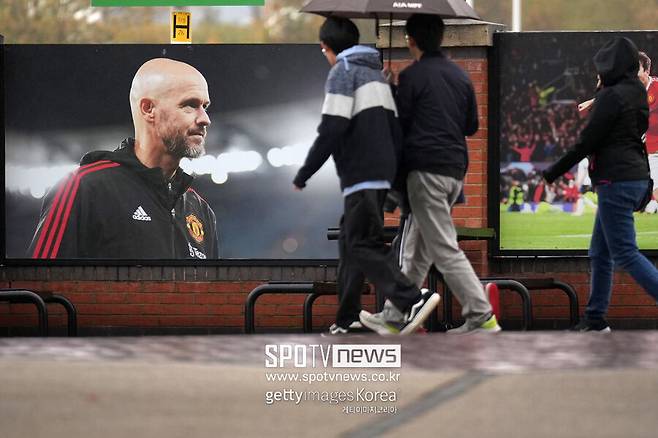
<point>280,299</point>
<point>123,286</point>
<point>215,286</point>
<point>29,285</point>
<point>327,300</point>
<point>279,321</point>
<point>476,179</point>
<point>633,312</point>
<point>475,154</point>
<point>143,298</point>
<point>174,309</point>
<point>237,299</point>
<point>473,190</point>
<point>55,310</point>
<point>90,286</point>
<point>18,320</point>
<point>159,286</point>
<point>117,321</point>
<point>477,76</point>
<point>188,321</point>
<point>479,87</point>
<point>248,286</point>
<point>324,310</point>
<point>554,312</point>
<point>228,321</point>
<point>632,300</point>
<point>110,298</point>
<point>177,298</point>
<point>541,298</point>
<point>229,309</point>
<point>110,309</point>
<point>81,297</point>
<point>288,310</point>
<point>17,309</point>
<point>214,299</point>
<point>63,287</point>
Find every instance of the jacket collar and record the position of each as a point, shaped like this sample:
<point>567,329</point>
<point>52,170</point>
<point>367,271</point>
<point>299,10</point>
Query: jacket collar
<point>125,154</point>
<point>432,54</point>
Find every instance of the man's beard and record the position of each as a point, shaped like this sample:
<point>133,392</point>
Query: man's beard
<point>178,146</point>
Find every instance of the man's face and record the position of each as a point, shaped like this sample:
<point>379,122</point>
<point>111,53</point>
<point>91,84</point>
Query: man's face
<point>183,118</point>
<point>643,75</point>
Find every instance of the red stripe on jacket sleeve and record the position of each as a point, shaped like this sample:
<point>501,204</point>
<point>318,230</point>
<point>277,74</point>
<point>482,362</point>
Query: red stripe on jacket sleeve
<point>47,231</point>
<point>71,198</point>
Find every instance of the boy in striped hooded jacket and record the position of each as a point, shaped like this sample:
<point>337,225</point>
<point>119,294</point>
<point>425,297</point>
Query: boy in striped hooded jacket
<point>360,130</point>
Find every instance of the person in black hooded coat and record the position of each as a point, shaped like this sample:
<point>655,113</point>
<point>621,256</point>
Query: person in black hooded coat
<point>619,171</point>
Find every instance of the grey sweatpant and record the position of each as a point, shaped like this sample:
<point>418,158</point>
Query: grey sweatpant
<point>431,238</point>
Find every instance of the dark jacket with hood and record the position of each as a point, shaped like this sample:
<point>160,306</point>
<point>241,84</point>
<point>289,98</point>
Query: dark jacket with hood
<point>437,110</point>
<point>359,126</point>
<point>612,137</point>
<point>114,207</point>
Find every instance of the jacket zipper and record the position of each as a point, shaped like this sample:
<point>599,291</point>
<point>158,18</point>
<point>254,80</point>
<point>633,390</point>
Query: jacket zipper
<point>173,226</point>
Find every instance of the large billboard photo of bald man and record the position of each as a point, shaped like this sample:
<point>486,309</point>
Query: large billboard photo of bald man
<point>145,152</point>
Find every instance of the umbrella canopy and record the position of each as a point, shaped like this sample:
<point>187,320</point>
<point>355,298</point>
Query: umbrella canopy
<point>390,9</point>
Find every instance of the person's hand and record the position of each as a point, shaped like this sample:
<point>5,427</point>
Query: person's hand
<point>297,189</point>
<point>388,75</point>
<point>584,106</point>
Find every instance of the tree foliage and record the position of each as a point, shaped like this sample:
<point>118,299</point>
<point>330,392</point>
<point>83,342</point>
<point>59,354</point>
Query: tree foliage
<point>74,21</point>
<point>553,15</point>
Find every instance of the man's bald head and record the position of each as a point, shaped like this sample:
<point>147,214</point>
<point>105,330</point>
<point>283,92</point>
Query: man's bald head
<point>169,101</point>
<point>158,77</point>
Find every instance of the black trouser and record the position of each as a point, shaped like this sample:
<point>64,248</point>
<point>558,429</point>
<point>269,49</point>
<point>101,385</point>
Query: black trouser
<point>364,254</point>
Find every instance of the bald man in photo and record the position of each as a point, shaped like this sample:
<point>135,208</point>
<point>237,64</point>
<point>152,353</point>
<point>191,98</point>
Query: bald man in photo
<point>136,202</point>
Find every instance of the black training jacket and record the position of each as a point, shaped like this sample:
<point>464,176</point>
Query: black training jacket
<point>618,120</point>
<point>437,107</point>
<point>113,207</point>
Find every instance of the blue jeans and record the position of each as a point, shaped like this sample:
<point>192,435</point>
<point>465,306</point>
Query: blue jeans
<point>614,244</point>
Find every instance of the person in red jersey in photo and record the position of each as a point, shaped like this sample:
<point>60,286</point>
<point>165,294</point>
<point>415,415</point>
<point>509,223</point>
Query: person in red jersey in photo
<point>651,139</point>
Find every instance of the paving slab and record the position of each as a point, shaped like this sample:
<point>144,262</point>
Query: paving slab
<point>534,384</point>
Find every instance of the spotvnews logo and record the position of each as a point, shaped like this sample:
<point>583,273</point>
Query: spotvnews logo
<point>336,356</point>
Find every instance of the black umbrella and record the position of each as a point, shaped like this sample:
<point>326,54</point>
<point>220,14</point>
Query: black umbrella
<point>390,9</point>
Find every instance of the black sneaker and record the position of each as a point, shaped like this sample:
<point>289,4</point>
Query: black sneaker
<point>391,321</point>
<point>420,311</point>
<point>592,325</point>
<point>336,330</point>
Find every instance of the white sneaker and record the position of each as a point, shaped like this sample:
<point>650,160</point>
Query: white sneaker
<point>490,325</point>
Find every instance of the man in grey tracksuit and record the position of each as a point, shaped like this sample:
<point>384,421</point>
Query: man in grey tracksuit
<point>438,109</point>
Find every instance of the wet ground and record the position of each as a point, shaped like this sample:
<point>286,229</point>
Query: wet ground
<point>535,384</point>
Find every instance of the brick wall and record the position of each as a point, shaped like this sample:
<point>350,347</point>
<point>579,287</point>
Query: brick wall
<point>128,300</point>
<point>210,299</point>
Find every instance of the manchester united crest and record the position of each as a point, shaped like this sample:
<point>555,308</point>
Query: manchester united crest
<point>195,227</point>
<point>652,99</point>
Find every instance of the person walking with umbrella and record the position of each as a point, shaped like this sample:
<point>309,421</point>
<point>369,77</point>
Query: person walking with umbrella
<point>437,108</point>
<point>359,128</point>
